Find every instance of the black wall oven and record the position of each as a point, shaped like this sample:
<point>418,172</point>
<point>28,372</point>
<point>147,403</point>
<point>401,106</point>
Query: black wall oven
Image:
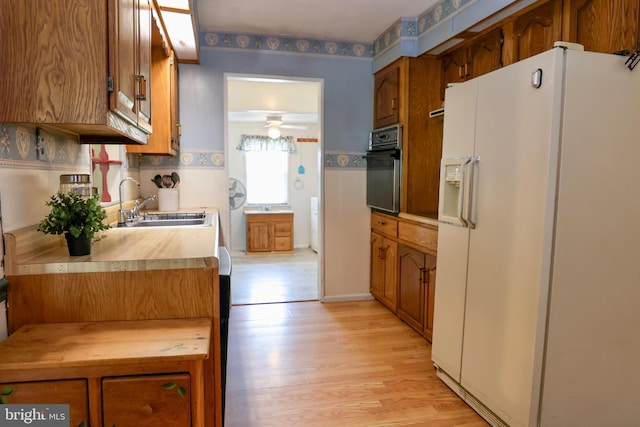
<point>384,169</point>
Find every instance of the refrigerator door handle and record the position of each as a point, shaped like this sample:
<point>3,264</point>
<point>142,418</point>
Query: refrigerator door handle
<point>463,191</point>
<point>469,170</point>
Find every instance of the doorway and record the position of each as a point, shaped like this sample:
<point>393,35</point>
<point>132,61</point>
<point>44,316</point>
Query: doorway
<point>258,106</point>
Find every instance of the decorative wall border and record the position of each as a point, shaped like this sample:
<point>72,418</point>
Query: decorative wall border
<point>191,159</point>
<point>20,147</point>
<point>281,44</point>
<point>341,160</point>
<point>413,28</point>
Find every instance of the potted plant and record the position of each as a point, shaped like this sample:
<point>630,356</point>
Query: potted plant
<point>77,217</point>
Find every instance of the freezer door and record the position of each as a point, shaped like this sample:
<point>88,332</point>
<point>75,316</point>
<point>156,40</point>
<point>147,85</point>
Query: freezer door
<point>453,234</point>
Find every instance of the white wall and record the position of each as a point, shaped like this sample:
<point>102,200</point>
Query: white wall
<point>346,235</point>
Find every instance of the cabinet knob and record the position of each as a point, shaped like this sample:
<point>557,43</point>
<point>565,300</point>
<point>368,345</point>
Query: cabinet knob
<point>146,410</point>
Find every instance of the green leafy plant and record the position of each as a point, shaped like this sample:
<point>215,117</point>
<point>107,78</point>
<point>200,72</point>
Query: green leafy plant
<point>74,214</point>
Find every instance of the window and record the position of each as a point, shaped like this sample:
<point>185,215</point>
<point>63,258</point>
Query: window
<point>267,177</point>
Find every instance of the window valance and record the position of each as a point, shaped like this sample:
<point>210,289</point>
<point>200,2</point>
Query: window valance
<point>265,143</point>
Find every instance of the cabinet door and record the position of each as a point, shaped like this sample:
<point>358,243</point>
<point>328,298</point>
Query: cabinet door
<point>384,262</point>
<point>376,283</point>
<point>259,236</point>
<point>162,140</point>
<point>386,94</point>
<point>71,392</point>
<point>131,61</point>
<point>429,294</point>
<point>147,401</point>
<point>143,79</point>
<point>411,287</point>
<point>485,54</point>
<point>176,128</point>
<point>602,25</point>
<point>123,59</point>
<point>454,68</point>
<point>535,31</point>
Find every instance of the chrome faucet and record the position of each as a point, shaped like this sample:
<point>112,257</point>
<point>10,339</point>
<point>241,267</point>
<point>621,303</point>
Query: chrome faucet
<point>139,205</point>
<point>126,215</point>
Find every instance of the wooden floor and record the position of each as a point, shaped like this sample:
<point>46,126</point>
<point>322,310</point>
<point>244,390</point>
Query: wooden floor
<point>335,364</point>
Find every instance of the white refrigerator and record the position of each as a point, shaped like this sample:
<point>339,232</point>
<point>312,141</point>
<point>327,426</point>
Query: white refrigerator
<point>537,304</point>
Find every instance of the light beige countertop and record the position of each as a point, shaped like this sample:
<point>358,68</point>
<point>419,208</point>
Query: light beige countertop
<point>120,249</point>
<point>271,211</point>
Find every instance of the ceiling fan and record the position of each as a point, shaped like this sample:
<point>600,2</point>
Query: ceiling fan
<point>275,123</point>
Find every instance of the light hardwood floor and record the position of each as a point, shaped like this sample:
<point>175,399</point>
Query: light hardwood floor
<point>268,278</point>
<point>334,364</point>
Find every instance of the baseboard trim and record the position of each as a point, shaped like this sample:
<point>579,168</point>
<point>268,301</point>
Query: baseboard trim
<point>343,298</point>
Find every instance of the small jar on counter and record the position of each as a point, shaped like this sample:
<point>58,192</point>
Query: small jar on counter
<point>77,184</point>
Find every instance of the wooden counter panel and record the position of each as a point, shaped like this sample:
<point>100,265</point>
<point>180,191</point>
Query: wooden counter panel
<point>420,235</point>
<point>133,295</point>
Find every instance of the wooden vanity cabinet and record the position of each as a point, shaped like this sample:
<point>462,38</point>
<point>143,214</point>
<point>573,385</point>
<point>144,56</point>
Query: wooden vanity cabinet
<point>81,66</point>
<point>269,232</point>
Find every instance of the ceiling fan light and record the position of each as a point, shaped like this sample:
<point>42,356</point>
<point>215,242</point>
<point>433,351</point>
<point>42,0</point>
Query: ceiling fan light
<point>274,132</point>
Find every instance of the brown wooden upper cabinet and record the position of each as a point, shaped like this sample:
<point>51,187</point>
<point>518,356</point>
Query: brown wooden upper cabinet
<point>165,139</point>
<point>602,25</point>
<point>387,96</point>
<point>82,66</point>
<point>131,95</point>
<point>535,31</point>
<point>475,59</point>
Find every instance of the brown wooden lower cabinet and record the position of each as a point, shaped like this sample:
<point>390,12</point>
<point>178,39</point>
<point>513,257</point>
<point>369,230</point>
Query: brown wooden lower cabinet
<point>384,270</point>
<point>416,289</point>
<point>403,269</point>
<point>124,373</point>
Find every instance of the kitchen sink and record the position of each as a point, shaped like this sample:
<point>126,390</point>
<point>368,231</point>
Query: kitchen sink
<point>178,219</point>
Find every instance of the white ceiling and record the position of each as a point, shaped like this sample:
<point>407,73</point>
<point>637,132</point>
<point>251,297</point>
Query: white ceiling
<point>359,21</point>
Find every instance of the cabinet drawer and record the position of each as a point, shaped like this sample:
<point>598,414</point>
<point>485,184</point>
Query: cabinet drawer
<point>147,401</point>
<point>420,235</point>
<point>384,224</point>
<point>283,244</point>
<point>69,392</point>
<point>283,229</point>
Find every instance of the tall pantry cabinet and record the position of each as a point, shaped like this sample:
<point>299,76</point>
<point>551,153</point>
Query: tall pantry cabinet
<point>81,66</point>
